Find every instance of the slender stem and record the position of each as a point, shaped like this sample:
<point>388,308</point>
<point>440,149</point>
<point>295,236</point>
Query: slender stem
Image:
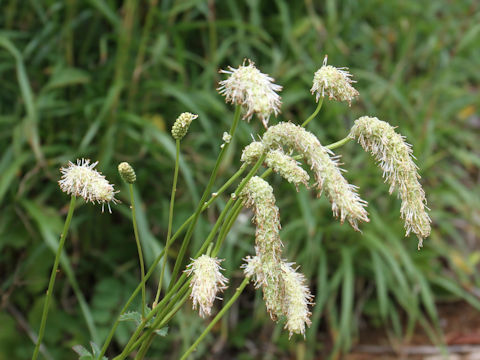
<point>170,220</point>
<point>53,276</point>
<point>319,106</point>
<point>161,322</point>
<point>227,225</point>
<point>139,247</point>
<point>217,318</point>
<point>129,347</point>
<point>159,258</point>
<point>338,143</point>
<point>213,176</point>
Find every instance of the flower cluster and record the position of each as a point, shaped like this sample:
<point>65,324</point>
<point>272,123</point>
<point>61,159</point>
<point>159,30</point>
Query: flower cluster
<point>284,290</point>
<point>278,161</point>
<point>335,82</point>
<point>394,157</point>
<point>181,125</point>
<point>207,281</point>
<point>254,91</point>
<point>81,179</point>
<point>343,196</point>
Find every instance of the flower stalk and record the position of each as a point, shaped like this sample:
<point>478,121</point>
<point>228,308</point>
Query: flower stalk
<point>53,276</point>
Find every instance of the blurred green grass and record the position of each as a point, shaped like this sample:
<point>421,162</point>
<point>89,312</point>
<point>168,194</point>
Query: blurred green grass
<point>105,79</point>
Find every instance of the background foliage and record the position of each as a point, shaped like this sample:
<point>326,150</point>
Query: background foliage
<point>105,80</point>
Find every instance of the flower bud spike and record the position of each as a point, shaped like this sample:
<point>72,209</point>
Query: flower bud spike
<point>181,125</point>
<point>127,173</point>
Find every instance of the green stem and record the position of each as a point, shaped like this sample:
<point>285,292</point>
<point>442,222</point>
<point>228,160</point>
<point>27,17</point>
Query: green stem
<point>319,106</point>
<point>139,247</point>
<point>170,220</point>
<point>159,258</point>
<point>213,176</point>
<point>159,324</point>
<point>205,245</point>
<point>338,143</point>
<point>217,318</point>
<point>53,276</point>
<point>227,225</point>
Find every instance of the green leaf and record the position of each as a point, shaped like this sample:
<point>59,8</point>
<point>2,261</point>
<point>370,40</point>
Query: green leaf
<point>162,332</point>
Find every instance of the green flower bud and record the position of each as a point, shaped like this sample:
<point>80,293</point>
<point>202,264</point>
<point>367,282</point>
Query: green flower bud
<point>127,173</point>
<point>181,125</point>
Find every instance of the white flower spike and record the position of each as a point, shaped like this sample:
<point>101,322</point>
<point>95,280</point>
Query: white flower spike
<point>394,156</point>
<point>83,180</point>
<point>253,90</point>
<point>207,281</point>
<point>335,82</point>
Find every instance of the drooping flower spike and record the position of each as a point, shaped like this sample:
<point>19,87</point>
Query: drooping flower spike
<point>82,180</point>
<point>207,282</point>
<point>297,300</point>
<point>334,82</point>
<point>395,158</point>
<point>258,195</point>
<point>278,161</point>
<point>343,196</point>
<point>289,296</point>
<point>253,90</point>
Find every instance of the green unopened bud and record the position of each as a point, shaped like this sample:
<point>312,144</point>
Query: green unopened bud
<point>127,173</point>
<point>181,125</point>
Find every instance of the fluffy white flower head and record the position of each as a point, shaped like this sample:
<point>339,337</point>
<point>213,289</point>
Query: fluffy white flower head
<point>254,91</point>
<point>335,82</point>
<point>81,179</point>
<point>207,281</point>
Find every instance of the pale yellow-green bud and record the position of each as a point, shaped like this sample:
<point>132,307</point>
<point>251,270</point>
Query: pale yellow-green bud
<point>83,180</point>
<point>181,125</point>
<point>127,173</point>
<point>334,82</point>
<point>394,156</point>
<point>343,196</point>
<point>207,281</point>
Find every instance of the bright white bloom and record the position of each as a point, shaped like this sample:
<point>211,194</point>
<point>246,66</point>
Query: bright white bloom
<point>343,196</point>
<point>278,161</point>
<point>297,300</point>
<point>83,180</point>
<point>254,91</point>
<point>335,82</point>
<point>394,157</point>
<point>207,281</point>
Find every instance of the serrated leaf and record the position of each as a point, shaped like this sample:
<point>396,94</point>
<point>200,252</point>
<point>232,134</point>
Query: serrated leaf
<point>162,332</point>
<point>131,316</point>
